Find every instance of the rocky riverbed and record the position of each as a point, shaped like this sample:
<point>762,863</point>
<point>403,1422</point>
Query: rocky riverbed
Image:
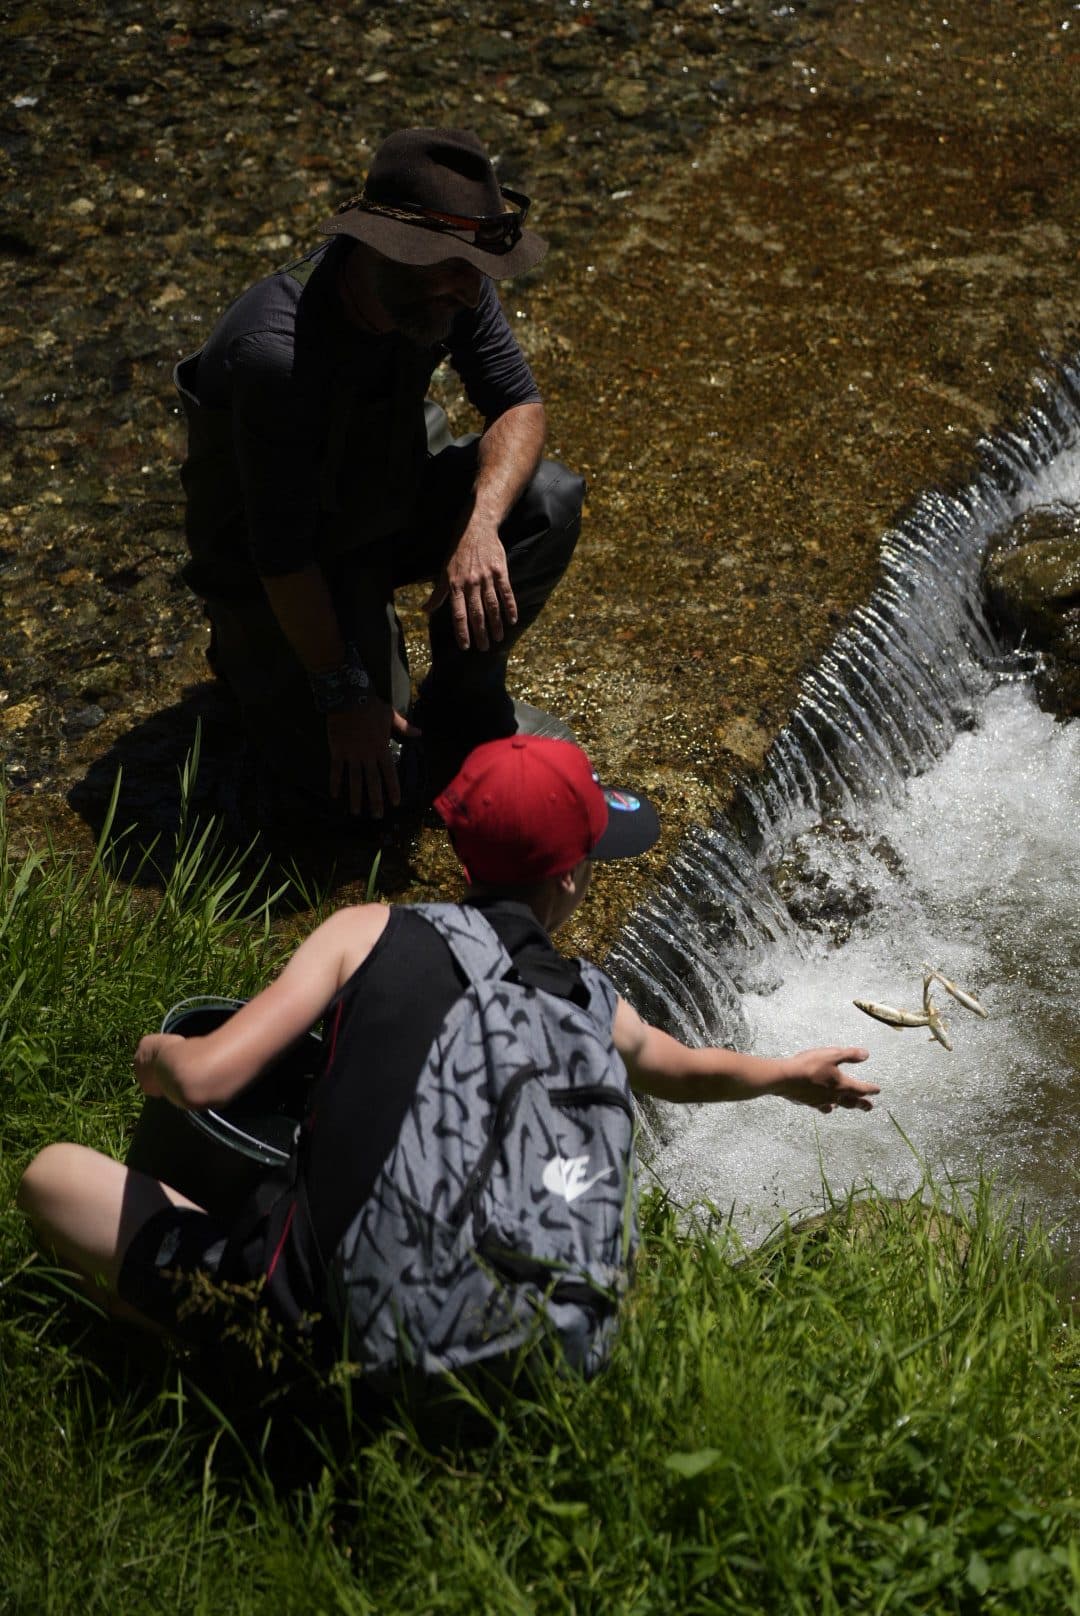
<point>802,255</point>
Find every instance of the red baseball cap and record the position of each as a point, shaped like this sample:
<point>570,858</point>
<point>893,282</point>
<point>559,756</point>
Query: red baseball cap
<point>527,806</point>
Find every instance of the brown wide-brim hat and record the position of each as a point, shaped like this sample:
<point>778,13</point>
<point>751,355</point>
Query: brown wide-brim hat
<point>432,194</point>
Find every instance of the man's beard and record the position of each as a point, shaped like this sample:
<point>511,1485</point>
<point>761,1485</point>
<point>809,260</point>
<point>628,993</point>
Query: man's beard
<point>424,324</point>
<point>406,295</point>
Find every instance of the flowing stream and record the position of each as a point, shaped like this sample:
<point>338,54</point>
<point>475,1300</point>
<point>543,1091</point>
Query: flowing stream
<point>918,807</point>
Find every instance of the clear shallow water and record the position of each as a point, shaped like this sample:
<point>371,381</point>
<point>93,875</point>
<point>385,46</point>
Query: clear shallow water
<point>977,870</point>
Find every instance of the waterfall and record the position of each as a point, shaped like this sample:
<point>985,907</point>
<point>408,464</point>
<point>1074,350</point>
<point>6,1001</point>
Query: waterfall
<point>917,800</point>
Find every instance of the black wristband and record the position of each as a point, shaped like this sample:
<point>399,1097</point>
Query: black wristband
<point>335,690</point>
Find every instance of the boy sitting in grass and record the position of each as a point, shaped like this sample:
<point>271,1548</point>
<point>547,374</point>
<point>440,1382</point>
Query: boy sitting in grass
<point>527,818</point>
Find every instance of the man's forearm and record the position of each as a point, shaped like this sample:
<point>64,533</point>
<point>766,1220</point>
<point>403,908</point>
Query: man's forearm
<point>302,604</point>
<point>508,455</point>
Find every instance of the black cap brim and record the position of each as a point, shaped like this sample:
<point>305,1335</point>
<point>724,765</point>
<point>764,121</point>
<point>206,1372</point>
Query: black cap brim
<point>632,827</point>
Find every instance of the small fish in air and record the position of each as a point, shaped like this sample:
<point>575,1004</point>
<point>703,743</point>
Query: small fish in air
<point>968,1000</point>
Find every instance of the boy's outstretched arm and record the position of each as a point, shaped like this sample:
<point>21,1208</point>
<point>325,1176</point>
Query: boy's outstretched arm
<point>193,1072</point>
<point>660,1065</point>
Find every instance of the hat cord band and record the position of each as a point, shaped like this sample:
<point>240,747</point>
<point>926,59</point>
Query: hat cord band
<point>504,229</point>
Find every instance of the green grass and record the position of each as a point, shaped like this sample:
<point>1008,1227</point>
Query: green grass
<point>877,1416</point>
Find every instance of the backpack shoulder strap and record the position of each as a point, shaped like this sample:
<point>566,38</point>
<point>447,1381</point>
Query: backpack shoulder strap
<point>603,995</point>
<point>471,938</point>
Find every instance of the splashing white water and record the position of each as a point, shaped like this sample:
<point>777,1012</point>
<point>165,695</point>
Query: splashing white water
<point>985,887</point>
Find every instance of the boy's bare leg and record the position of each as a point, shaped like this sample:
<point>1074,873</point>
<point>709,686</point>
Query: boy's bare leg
<point>87,1208</point>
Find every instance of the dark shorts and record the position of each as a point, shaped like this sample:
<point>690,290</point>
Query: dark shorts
<point>171,1272</point>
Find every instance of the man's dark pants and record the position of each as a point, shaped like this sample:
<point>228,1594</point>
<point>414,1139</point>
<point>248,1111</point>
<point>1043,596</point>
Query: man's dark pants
<point>463,700</point>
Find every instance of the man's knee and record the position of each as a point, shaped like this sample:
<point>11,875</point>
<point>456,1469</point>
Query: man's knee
<point>563,492</point>
<point>543,527</point>
<point>553,499</point>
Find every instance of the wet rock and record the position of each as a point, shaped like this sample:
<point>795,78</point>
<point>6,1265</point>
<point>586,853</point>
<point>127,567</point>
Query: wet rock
<point>83,719</point>
<point>494,51</point>
<point>1057,683</point>
<point>16,716</point>
<point>1037,587</point>
<point>828,895</point>
<point>627,98</point>
<point>1034,590</point>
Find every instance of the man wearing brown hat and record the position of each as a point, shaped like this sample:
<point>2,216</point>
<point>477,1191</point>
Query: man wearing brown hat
<point>319,481</point>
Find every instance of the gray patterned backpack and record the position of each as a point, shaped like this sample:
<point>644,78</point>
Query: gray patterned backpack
<point>506,1214</point>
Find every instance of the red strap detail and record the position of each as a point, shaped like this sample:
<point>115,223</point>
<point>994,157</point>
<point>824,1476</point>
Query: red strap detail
<point>334,1030</point>
<point>281,1243</point>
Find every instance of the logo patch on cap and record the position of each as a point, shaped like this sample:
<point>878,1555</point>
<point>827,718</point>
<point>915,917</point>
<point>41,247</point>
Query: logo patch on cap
<point>622,801</point>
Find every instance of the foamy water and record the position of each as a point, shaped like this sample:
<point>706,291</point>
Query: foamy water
<point>984,886</point>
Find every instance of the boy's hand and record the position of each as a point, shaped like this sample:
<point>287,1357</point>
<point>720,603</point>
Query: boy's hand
<point>813,1077</point>
<point>155,1072</point>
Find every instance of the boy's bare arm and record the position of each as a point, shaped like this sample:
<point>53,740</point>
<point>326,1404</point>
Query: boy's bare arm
<point>193,1072</point>
<point>660,1065</point>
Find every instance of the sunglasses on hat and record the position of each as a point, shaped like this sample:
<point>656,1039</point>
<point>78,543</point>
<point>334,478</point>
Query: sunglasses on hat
<point>492,232</point>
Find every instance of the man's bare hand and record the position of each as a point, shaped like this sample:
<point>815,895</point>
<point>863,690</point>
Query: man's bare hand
<point>813,1077</point>
<point>476,581</point>
<point>360,757</point>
